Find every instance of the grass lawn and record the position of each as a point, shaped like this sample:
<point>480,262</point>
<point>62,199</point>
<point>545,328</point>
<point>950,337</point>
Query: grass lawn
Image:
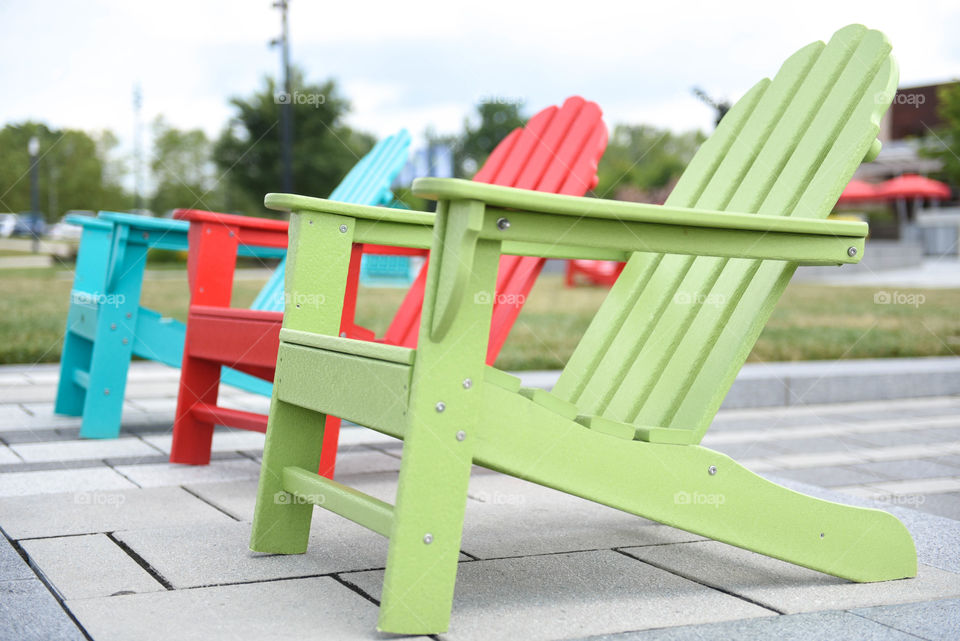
<point>810,322</point>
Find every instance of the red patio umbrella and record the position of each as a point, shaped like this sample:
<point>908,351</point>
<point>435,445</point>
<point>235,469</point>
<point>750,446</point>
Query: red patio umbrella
<point>913,186</point>
<point>858,191</point>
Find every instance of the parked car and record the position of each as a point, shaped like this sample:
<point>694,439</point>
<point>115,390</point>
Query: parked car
<point>63,230</point>
<point>7,224</point>
<point>29,224</point>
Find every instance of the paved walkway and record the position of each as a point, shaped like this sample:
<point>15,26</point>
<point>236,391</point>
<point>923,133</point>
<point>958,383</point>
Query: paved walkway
<point>934,273</point>
<point>106,540</point>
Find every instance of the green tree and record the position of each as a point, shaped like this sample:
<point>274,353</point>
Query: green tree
<point>945,145</point>
<point>182,168</point>
<point>474,145</point>
<point>324,147</point>
<point>70,171</point>
<point>641,157</point>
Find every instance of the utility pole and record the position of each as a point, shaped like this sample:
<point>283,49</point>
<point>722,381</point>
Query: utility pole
<point>33,147</point>
<point>285,100</point>
<point>137,151</point>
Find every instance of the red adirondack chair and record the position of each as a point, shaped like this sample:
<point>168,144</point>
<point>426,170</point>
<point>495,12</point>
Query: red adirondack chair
<point>556,152</point>
<point>597,272</point>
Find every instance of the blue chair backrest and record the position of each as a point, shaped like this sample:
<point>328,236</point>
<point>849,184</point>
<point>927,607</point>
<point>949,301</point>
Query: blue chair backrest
<point>368,183</point>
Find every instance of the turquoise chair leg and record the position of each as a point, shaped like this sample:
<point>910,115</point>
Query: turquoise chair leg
<point>89,283</point>
<point>110,361</point>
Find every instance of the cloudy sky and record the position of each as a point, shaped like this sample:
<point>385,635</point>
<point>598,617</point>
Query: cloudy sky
<point>420,63</point>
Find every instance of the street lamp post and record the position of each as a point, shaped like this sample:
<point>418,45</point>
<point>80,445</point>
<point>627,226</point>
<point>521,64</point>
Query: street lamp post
<point>286,106</point>
<point>33,147</point>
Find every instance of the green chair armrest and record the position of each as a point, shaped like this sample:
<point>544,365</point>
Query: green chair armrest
<point>540,202</point>
<point>293,202</point>
<point>374,225</point>
<point>538,224</point>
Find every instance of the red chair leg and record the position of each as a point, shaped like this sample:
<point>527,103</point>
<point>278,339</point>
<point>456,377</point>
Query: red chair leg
<point>192,438</point>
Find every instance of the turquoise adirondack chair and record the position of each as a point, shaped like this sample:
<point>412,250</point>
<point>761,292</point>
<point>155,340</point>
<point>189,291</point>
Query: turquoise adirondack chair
<point>106,324</point>
<point>622,426</point>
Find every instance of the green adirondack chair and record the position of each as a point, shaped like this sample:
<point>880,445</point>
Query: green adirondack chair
<point>623,423</point>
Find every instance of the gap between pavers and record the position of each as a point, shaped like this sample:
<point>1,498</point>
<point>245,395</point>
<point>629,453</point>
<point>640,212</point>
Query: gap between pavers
<point>83,449</point>
<point>63,514</point>
<point>276,610</point>
<point>559,596</point>
<point>789,588</point>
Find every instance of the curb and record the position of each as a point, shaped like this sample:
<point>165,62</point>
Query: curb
<point>820,382</point>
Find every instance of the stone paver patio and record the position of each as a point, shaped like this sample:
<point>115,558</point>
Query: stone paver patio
<point>106,540</point>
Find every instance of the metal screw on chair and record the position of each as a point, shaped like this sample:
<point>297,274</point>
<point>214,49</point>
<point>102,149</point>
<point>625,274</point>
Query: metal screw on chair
<point>343,229</point>
<point>129,315</point>
<point>822,535</point>
<point>125,341</point>
<point>441,406</point>
<point>231,233</point>
<point>467,383</point>
<point>502,224</point>
<point>712,470</point>
<point>851,252</point>
<point>428,538</point>
<point>342,334</point>
<point>113,326</point>
<point>106,391</point>
<point>146,235</point>
<point>461,435</point>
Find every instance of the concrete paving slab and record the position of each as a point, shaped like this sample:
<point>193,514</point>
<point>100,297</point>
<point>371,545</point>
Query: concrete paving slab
<point>223,441</point>
<point>275,610</point>
<point>947,505</point>
<point>12,567</point>
<point>938,485</point>
<point>508,517</point>
<point>820,444</point>
<point>91,479</point>
<point>193,556</point>
<point>28,612</point>
<point>88,449</point>
<point>822,626</point>
<point>49,515</point>
<point>160,474</point>
<point>936,620</point>
<point>833,476</point>
<point>81,567</point>
<point>365,461</point>
<point>559,596</point>
<point>927,435</point>
<point>789,588</point>
<point>910,469</point>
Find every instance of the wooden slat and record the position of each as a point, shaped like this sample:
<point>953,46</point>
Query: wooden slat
<point>362,509</point>
<point>556,152</point>
<point>81,378</point>
<point>367,391</point>
<point>765,158</point>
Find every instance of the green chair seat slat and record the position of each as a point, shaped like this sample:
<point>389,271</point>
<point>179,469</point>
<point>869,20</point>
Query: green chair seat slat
<point>675,330</point>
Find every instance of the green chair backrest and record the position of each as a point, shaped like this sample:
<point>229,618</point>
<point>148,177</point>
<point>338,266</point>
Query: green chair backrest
<point>674,331</point>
